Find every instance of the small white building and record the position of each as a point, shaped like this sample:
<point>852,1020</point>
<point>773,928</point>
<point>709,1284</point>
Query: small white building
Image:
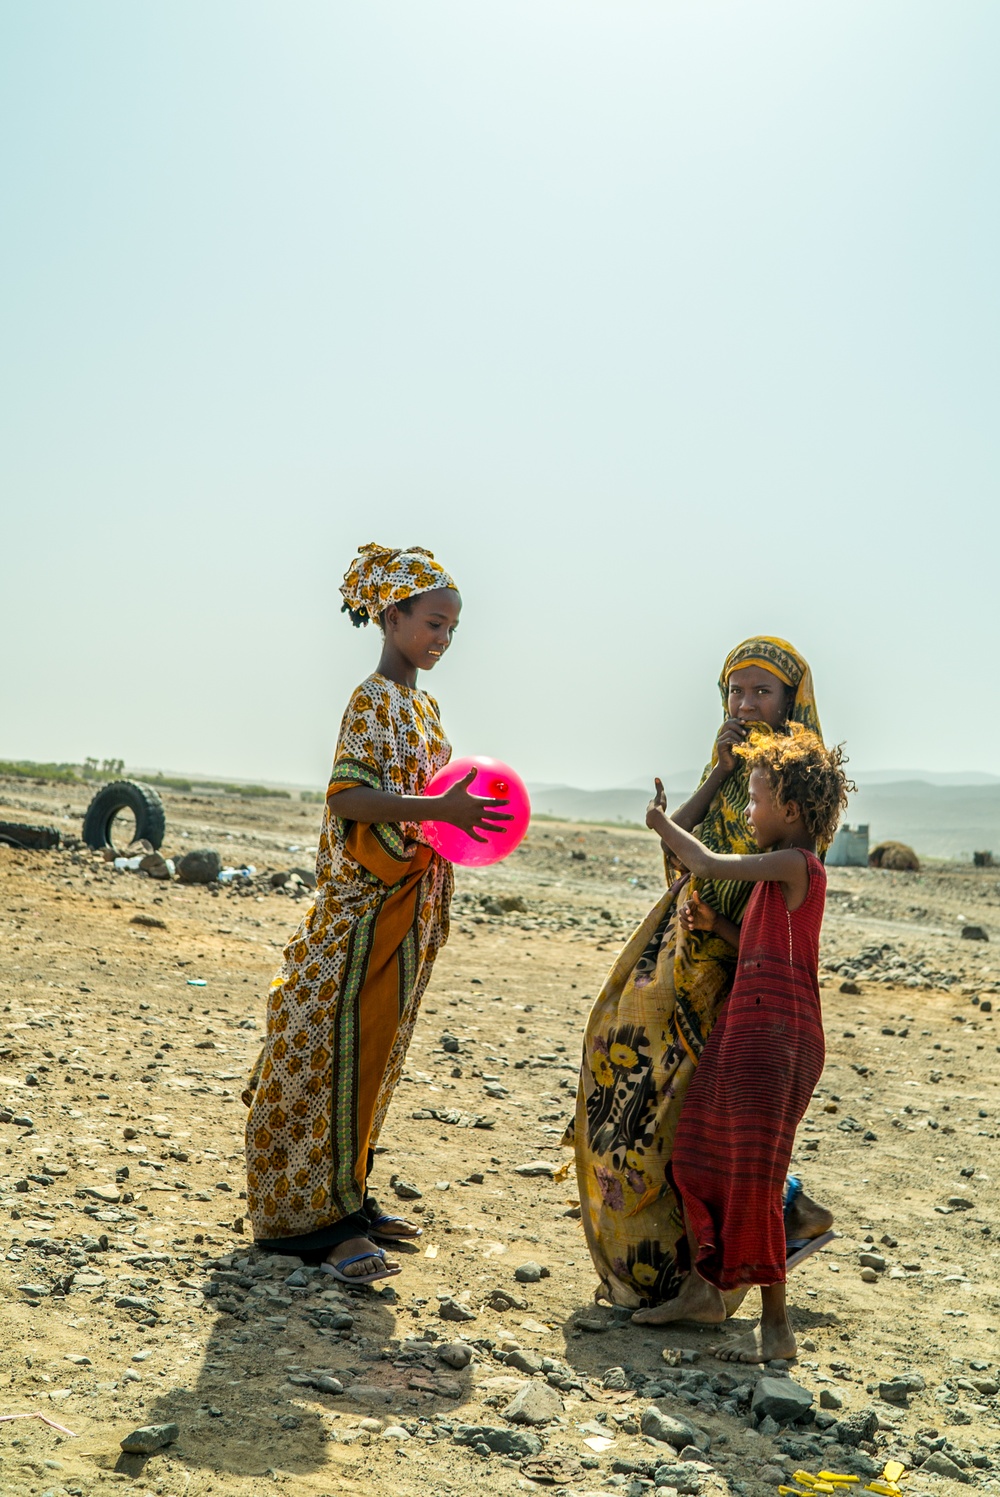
<point>849,848</point>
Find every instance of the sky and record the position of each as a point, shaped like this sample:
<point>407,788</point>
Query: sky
<point>661,324</point>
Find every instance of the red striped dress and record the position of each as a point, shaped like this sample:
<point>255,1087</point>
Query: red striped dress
<point>753,1084</point>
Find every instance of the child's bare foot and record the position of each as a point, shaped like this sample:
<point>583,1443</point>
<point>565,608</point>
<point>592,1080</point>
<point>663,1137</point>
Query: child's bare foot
<point>698,1301</point>
<point>763,1344</point>
<point>807,1218</point>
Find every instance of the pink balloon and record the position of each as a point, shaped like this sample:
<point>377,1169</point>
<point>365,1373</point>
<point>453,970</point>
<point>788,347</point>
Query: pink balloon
<point>493,779</point>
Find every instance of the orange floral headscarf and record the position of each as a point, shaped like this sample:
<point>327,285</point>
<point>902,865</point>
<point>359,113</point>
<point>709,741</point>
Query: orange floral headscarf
<point>379,576</point>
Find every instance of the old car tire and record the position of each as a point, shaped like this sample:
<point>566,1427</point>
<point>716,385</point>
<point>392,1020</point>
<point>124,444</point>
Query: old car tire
<point>124,795</point>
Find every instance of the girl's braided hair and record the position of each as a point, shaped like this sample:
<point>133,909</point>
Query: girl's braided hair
<point>800,768</point>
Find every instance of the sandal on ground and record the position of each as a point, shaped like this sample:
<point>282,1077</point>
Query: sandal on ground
<point>360,1279</point>
<point>801,1248</point>
<point>382,1224</point>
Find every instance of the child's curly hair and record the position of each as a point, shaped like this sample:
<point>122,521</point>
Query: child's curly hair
<point>801,768</point>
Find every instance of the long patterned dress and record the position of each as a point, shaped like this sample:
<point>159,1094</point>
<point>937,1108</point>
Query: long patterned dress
<point>757,1075</point>
<point>645,1036</point>
<point>342,1008</point>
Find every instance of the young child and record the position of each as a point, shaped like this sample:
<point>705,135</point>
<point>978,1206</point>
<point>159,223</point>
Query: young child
<point>765,1055</point>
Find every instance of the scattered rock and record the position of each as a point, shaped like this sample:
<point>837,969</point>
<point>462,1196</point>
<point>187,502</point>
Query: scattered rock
<point>671,1431</point>
<point>540,1167</point>
<point>450,1309</point>
<point>149,1437</point>
<point>895,1392</point>
<point>520,1443</point>
<point>201,866</point>
<point>872,1260</point>
<point>557,1469</point>
<point>854,1428</point>
<point>939,1464</point>
<point>615,1379</point>
<point>502,1299</point>
<point>829,1398</point>
<point>781,1399</point>
<point>456,1354</point>
<point>685,1477</point>
<point>535,1403</point>
<point>530,1273</point>
<point>395,1432</point>
<point>404,1190</point>
<point>529,1362</point>
<point>973,933</point>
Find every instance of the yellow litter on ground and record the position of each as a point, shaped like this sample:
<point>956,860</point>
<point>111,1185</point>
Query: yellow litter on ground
<point>893,1471</point>
<point>884,1488</point>
<point>840,1481</point>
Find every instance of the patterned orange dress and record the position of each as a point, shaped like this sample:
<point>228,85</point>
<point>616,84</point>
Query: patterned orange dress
<point>343,1005</point>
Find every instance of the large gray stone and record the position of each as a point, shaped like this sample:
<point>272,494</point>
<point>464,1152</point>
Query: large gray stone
<point>150,1437</point>
<point>684,1476</point>
<point>854,1428</point>
<point>942,1465</point>
<point>201,866</point>
<point>672,1431</point>
<point>530,1273</point>
<point>535,1403</point>
<point>781,1399</point>
<point>457,1354</point>
<point>524,1361</point>
<point>450,1309</point>
<point>516,1442</point>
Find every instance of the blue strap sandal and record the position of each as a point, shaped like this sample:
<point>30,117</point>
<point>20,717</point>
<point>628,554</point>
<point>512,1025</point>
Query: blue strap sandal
<point>358,1280</point>
<point>381,1225</point>
<point>798,1249</point>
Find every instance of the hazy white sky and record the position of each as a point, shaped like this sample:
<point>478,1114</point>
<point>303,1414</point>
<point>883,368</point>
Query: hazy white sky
<point>662,324</point>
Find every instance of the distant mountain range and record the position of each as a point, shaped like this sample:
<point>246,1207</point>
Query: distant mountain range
<point>941,815</point>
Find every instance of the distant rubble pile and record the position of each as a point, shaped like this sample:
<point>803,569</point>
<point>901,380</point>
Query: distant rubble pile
<point>884,964</point>
<point>894,855</point>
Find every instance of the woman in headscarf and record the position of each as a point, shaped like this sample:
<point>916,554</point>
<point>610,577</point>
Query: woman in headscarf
<point>659,1002</point>
<point>343,1005</point>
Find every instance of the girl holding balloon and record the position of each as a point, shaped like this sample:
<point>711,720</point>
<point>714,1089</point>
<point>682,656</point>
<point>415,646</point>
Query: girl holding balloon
<point>342,1008</point>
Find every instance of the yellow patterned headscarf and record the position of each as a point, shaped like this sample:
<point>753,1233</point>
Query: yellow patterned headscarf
<point>379,576</point>
<point>725,828</point>
<point>778,657</point>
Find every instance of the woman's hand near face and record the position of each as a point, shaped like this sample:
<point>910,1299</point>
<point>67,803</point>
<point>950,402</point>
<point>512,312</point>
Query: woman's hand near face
<point>471,813</point>
<point>731,733</point>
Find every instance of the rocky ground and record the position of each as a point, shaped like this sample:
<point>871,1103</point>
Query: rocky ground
<point>132,1295</point>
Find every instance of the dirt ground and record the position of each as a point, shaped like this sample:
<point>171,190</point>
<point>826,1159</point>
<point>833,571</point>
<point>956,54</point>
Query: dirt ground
<point>131,1294</point>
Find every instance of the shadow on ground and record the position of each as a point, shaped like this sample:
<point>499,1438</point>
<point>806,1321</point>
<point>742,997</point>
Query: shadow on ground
<point>259,1405</point>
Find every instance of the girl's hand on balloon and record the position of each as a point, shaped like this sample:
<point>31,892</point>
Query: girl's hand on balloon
<point>695,914</point>
<point>471,813</point>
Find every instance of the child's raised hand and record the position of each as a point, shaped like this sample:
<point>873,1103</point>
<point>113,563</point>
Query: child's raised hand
<point>657,806</point>
<point>695,914</point>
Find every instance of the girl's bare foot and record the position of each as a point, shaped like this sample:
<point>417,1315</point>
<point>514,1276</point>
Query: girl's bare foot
<point>356,1247</point>
<point>763,1344</point>
<point>698,1301</point>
